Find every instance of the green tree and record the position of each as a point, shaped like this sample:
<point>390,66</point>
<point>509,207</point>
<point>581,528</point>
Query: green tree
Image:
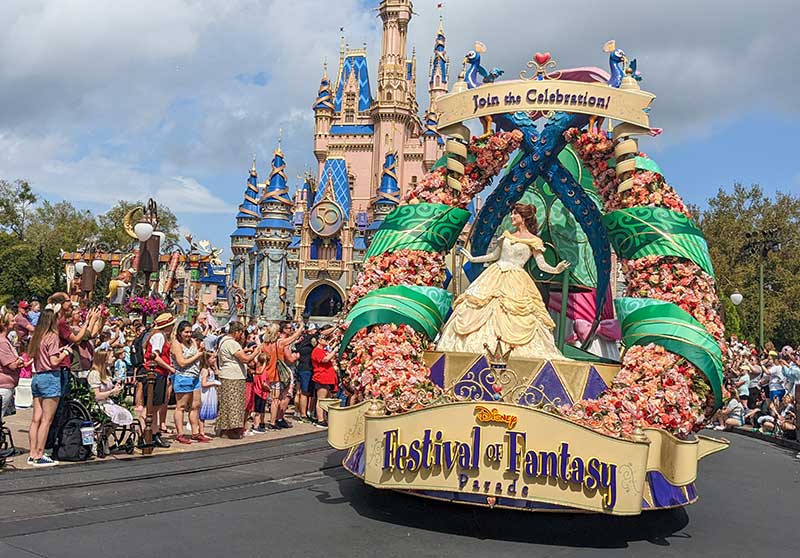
<point>112,232</point>
<point>731,214</point>
<point>57,227</point>
<point>16,203</point>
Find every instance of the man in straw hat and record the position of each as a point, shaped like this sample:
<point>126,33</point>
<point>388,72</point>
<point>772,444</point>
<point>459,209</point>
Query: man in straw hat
<point>157,355</point>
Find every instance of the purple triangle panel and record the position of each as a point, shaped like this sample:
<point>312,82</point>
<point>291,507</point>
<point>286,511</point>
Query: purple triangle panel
<point>437,371</point>
<point>477,383</point>
<point>548,382</point>
<point>594,385</point>
<point>665,495</point>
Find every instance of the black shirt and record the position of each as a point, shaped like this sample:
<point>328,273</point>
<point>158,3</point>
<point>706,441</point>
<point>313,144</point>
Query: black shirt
<point>304,346</point>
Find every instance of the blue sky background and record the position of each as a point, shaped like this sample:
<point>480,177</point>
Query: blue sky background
<point>101,101</point>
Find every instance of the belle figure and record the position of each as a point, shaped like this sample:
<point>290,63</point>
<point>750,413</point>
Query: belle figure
<point>504,302</point>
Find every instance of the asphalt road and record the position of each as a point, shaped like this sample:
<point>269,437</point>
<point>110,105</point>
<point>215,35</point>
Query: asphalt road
<point>291,498</point>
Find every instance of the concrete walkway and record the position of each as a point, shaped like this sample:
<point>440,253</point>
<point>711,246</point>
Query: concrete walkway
<point>19,423</point>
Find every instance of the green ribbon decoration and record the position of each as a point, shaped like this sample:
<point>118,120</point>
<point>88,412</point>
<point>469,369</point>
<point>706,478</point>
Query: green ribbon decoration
<point>647,320</point>
<point>431,227</point>
<point>646,163</point>
<point>637,232</point>
<point>422,308</point>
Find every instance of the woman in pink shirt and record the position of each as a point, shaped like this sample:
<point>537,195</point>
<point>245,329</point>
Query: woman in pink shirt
<point>10,366</point>
<point>48,359</point>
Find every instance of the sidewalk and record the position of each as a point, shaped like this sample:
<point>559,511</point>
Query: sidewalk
<point>750,432</point>
<point>19,423</point>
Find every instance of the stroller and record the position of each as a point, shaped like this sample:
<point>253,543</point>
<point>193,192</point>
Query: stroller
<point>7,448</point>
<point>80,403</point>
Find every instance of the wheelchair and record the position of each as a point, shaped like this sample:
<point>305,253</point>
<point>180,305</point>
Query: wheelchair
<point>7,448</point>
<point>109,437</point>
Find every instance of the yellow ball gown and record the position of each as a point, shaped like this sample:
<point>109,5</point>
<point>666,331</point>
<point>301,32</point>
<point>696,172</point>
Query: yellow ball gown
<point>503,302</point>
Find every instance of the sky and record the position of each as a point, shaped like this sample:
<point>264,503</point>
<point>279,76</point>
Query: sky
<point>170,99</point>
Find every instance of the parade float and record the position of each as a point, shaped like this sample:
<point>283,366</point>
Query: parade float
<point>500,426</point>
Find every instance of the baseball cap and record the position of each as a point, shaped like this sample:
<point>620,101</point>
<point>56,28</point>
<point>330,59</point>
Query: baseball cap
<point>23,304</point>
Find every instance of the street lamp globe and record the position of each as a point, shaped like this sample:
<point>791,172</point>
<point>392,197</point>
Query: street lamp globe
<point>143,231</point>
<point>98,265</point>
<point>736,298</point>
<point>80,266</point>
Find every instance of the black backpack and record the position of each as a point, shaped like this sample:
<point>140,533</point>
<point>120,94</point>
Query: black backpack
<point>137,350</point>
<point>69,446</point>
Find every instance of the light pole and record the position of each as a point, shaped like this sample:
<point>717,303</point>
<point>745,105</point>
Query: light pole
<point>89,270</point>
<point>760,243</point>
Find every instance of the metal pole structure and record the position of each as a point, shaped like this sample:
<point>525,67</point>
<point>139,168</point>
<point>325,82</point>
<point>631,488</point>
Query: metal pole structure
<point>562,318</point>
<point>761,303</point>
<point>147,448</point>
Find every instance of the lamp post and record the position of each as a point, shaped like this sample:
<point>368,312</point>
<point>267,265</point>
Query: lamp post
<point>89,270</point>
<point>760,243</point>
<point>147,447</point>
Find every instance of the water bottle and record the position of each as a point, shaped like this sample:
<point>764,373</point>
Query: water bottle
<point>87,434</point>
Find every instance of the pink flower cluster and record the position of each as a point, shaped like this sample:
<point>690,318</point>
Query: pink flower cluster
<point>491,155</point>
<point>146,306</point>
<point>386,361</point>
<point>654,388</point>
<point>678,281</point>
<point>404,267</point>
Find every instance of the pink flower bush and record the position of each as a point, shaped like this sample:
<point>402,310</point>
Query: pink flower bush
<point>404,267</point>
<point>146,306</point>
<point>654,388</point>
<point>385,361</point>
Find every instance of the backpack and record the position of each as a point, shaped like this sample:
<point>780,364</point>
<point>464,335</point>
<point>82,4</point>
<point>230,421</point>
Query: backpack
<point>69,446</point>
<point>137,350</point>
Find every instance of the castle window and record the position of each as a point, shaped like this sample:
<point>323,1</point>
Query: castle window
<point>350,107</point>
<point>437,81</point>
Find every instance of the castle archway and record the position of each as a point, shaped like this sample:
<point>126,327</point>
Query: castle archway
<point>323,299</point>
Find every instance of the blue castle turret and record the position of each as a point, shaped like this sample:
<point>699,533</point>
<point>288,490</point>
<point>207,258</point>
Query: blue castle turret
<point>388,191</point>
<point>276,225</point>
<point>271,274</point>
<point>242,239</point>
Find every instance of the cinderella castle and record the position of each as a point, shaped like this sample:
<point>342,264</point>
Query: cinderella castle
<point>296,256</point>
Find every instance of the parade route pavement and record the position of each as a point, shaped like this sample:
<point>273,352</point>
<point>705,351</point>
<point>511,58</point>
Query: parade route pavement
<point>291,497</point>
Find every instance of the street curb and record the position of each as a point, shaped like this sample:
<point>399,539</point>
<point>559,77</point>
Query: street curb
<point>750,433</point>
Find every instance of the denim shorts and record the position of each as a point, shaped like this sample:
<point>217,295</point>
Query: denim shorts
<point>185,384</point>
<point>779,393</point>
<point>304,379</point>
<point>46,384</point>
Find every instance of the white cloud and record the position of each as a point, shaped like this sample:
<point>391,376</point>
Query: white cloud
<point>97,180</point>
<point>102,99</point>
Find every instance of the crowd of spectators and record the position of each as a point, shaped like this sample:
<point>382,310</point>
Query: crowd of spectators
<point>253,371</point>
<point>762,387</point>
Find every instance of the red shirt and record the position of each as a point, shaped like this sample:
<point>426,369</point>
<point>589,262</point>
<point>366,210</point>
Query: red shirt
<point>158,345</point>
<point>324,372</point>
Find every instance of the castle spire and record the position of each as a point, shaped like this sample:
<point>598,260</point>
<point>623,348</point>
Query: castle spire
<point>393,66</point>
<point>249,215</point>
<point>274,229</point>
<point>437,84</point>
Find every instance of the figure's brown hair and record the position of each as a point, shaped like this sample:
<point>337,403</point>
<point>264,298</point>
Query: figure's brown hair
<point>528,214</point>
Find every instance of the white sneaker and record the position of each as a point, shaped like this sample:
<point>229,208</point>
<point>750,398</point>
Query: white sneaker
<point>45,461</point>
<point>250,432</point>
<point>30,461</point>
